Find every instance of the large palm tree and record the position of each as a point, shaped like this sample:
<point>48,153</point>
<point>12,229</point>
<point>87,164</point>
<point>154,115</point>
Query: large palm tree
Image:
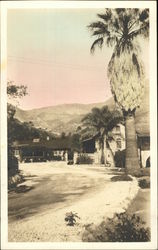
<point>100,122</point>
<point>120,29</point>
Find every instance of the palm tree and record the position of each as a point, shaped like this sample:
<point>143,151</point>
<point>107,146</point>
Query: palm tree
<point>120,29</point>
<point>100,122</point>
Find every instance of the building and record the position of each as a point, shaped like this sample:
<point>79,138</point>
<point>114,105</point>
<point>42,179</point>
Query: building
<point>115,142</point>
<point>144,149</point>
<point>38,150</point>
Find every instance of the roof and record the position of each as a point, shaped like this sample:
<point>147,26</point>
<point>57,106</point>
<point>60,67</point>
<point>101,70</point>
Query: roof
<point>59,143</point>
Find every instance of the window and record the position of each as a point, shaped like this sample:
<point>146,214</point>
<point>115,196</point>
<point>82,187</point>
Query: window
<point>118,142</point>
<point>36,140</point>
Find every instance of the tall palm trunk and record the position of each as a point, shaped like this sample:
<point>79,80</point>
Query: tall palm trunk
<point>102,152</point>
<point>132,160</point>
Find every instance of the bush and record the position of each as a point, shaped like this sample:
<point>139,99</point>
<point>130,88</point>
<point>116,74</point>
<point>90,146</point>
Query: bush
<point>56,158</point>
<point>120,159</point>
<point>123,177</point>
<point>121,228</point>
<point>70,218</point>
<point>13,181</point>
<point>13,165</point>
<point>84,159</point>
<point>144,183</point>
<point>141,172</point>
<point>70,162</point>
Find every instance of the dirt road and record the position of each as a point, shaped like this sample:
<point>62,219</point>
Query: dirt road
<point>52,186</point>
<point>38,206</point>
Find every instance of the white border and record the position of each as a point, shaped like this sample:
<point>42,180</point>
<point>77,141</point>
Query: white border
<point>153,121</point>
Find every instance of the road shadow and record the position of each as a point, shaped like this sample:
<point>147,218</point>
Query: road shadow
<point>23,189</point>
<point>46,193</point>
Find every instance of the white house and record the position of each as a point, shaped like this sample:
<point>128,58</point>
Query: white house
<point>116,141</point>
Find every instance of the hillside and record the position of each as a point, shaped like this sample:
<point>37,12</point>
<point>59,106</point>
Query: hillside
<point>61,118</point>
<point>67,117</point>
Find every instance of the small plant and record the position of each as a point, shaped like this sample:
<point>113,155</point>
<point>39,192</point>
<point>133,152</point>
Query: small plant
<point>122,227</point>
<point>70,218</point>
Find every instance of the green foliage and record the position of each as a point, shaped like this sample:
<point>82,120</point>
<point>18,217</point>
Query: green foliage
<point>63,135</point>
<point>16,91</point>
<point>24,131</point>
<point>13,166</point>
<point>100,122</point>
<point>56,158</point>
<point>141,172</point>
<point>144,183</point>
<point>102,119</point>
<point>70,218</point>
<point>127,80</point>
<point>122,177</point>
<point>119,159</point>
<point>14,180</point>
<point>84,159</point>
<point>121,228</point>
<point>76,141</point>
<point>119,28</point>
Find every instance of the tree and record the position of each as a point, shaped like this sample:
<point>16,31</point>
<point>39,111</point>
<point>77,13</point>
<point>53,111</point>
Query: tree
<point>101,122</point>
<point>13,92</point>
<point>16,91</point>
<point>120,29</point>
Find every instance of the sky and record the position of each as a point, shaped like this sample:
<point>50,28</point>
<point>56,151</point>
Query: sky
<point>49,52</point>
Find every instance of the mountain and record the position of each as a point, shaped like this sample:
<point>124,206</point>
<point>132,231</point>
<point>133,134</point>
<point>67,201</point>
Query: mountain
<point>61,118</point>
<point>67,117</point>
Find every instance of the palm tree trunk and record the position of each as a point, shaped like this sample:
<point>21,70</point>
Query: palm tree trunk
<point>132,160</point>
<point>102,152</point>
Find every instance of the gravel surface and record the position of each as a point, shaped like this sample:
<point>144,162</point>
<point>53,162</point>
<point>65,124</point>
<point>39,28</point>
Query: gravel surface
<point>87,191</point>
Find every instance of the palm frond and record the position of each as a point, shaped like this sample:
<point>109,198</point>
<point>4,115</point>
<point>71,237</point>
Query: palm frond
<point>101,31</point>
<point>106,16</point>
<point>98,25</point>
<point>144,15</point>
<point>135,62</point>
<point>98,42</point>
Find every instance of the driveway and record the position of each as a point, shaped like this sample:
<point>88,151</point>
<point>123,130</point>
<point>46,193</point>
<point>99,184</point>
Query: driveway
<point>52,186</point>
<point>37,208</point>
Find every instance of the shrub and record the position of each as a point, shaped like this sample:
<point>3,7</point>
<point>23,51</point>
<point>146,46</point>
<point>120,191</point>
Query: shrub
<point>121,228</point>
<point>70,218</point>
<point>13,165</point>
<point>13,181</point>
<point>141,172</point>
<point>56,158</point>
<point>144,183</point>
<point>70,162</point>
<point>123,177</point>
<point>84,159</point>
<point>120,159</point>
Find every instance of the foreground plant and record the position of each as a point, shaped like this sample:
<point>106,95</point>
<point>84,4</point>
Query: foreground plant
<point>70,218</point>
<point>121,228</point>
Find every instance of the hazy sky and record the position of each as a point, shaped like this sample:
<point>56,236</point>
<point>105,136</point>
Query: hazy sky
<point>49,51</point>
